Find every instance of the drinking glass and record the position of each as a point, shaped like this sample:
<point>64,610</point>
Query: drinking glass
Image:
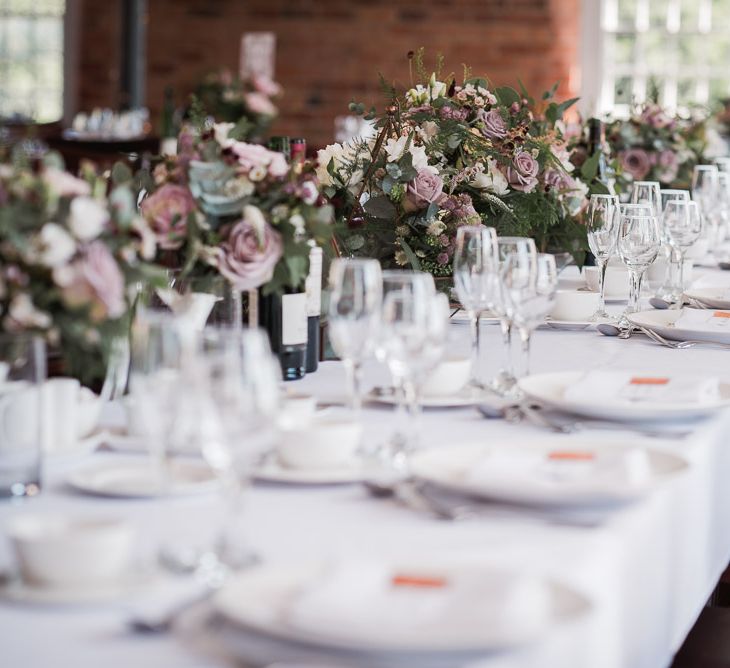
<point>669,289</point>
<point>602,228</point>
<point>704,187</point>
<point>22,374</point>
<point>524,250</point>
<point>530,287</point>
<point>236,384</point>
<point>354,310</point>
<point>638,245</point>
<point>722,164</point>
<point>683,222</point>
<point>647,192</point>
<point>722,208</point>
<point>412,336</point>
<point>476,280</point>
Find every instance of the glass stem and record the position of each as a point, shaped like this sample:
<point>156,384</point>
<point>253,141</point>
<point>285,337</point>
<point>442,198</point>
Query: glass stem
<point>523,368</point>
<point>414,412</point>
<point>226,547</point>
<point>680,284</point>
<point>399,439</point>
<point>353,371</point>
<point>474,324</point>
<point>602,266</point>
<point>635,294</point>
<point>506,327</point>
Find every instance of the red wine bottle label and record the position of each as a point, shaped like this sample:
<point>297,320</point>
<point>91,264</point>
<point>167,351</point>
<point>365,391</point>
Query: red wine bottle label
<point>294,319</point>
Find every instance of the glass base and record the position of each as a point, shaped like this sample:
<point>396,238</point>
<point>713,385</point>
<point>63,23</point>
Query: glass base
<point>602,316</point>
<point>669,293</point>
<point>504,384</point>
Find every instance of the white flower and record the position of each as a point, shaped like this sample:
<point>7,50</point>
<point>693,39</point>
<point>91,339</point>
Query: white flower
<point>417,96</point>
<point>220,132</point>
<point>492,180</point>
<point>297,222</point>
<point>435,228</point>
<point>437,88</point>
<point>310,194</point>
<point>346,157</point>
<point>279,212</point>
<point>257,173</point>
<point>394,148</point>
<point>148,239</point>
<point>55,246</point>
<point>23,312</point>
<point>87,218</point>
<point>65,184</point>
<point>420,160</point>
<point>401,258</point>
<point>428,130</point>
<point>240,187</point>
<point>324,157</point>
<point>254,216</point>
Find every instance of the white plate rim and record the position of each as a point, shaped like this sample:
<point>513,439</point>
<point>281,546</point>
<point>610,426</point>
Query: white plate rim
<point>275,571</point>
<point>628,413</point>
<point>563,499</point>
<point>709,296</point>
<point>662,321</point>
<point>272,471</point>
<point>458,400</point>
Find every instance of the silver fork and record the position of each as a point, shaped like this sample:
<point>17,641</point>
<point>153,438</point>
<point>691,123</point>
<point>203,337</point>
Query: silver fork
<point>679,345</point>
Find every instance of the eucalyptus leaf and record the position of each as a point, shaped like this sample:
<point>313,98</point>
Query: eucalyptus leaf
<point>412,257</point>
<point>380,207</point>
<point>589,169</point>
<point>507,95</point>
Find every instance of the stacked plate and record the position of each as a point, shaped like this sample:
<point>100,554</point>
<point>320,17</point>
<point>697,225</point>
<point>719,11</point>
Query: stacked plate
<point>686,324</point>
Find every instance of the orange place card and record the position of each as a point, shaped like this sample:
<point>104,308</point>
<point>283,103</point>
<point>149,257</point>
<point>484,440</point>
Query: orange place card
<point>648,381</point>
<point>571,455</point>
<point>420,581</point>
<point>721,314</point>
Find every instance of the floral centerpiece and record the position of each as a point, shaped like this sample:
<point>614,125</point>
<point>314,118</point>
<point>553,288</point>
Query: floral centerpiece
<point>226,207</point>
<point>249,102</point>
<point>656,145</point>
<point>450,154</point>
<point>70,257</point>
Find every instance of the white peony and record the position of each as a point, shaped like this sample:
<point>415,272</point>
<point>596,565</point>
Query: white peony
<point>394,148</point>
<point>492,180</point>
<point>220,132</point>
<point>87,218</point>
<point>298,223</point>
<point>23,312</point>
<point>420,160</point>
<point>55,246</point>
<point>344,156</point>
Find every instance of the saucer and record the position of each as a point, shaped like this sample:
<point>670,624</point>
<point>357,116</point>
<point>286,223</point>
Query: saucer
<point>134,583</point>
<point>271,470</point>
<point>463,398</point>
<point>83,446</point>
<point>569,325</point>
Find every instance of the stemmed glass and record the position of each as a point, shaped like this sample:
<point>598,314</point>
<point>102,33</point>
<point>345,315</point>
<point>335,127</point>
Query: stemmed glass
<point>723,206</point>
<point>530,287</point>
<point>602,227</point>
<point>356,293</point>
<point>669,290</point>
<point>524,250</point>
<point>476,280</point>
<point>638,245</point>
<point>235,380</point>
<point>413,336</point>
<point>683,224</point>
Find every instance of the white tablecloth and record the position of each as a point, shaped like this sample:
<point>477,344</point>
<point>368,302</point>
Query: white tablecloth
<point>648,571</point>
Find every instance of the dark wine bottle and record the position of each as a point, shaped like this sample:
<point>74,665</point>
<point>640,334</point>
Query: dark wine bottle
<point>314,306</point>
<point>298,149</point>
<point>596,142</point>
<point>280,144</point>
<point>168,126</point>
<point>284,317</point>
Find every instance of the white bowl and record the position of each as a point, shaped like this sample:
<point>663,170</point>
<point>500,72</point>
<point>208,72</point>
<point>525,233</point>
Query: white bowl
<point>56,550</point>
<point>298,410</point>
<point>575,305</point>
<point>330,441</point>
<point>448,378</point>
<point>617,281</point>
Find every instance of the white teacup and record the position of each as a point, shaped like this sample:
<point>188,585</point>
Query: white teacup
<point>70,412</point>
<point>329,441</point>
<point>298,410</point>
<point>448,378</point>
<point>616,282</point>
<point>575,305</point>
<point>60,551</point>
<point>20,418</point>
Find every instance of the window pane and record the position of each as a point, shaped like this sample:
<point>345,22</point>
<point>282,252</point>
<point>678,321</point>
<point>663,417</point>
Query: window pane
<point>624,48</point>
<point>622,92</point>
<point>627,14</point>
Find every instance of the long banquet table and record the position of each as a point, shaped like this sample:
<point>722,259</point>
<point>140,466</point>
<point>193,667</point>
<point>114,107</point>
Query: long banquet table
<point>647,571</point>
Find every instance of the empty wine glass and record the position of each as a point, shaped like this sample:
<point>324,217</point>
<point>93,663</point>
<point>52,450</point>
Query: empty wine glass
<point>522,248</point>
<point>236,384</point>
<point>530,287</point>
<point>354,310</point>
<point>602,228</point>
<point>722,208</point>
<point>638,245</point>
<point>669,289</point>
<point>683,223</point>
<point>647,192</point>
<point>476,280</point>
<point>704,187</point>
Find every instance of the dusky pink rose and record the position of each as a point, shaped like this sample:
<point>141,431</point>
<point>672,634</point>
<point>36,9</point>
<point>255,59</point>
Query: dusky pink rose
<point>258,103</point>
<point>95,280</point>
<point>494,125</point>
<point>668,164</point>
<point>249,255</point>
<point>64,184</point>
<point>265,86</point>
<point>558,179</point>
<point>425,189</point>
<point>254,155</point>
<point>522,174</point>
<point>636,162</point>
<point>166,211</point>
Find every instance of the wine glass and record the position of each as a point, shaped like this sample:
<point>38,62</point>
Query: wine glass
<point>647,192</point>
<point>412,336</point>
<point>704,187</point>
<point>354,310</point>
<point>683,222</point>
<point>669,290</point>
<point>476,280</point>
<point>524,249</point>
<point>638,245</point>
<point>722,163</point>
<point>602,228</point>
<point>530,287</point>
<point>723,207</point>
<point>235,380</point>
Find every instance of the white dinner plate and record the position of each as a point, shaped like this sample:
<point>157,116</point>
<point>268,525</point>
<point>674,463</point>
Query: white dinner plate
<point>532,480</point>
<point>121,441</point>
<point>260,599</point>
<point>549,390</point>
<point>711,297</point>
<point>662,322</point>
<point>569,325</point>
<point>466,397</point>
<point>273,471</point>
<point>139,479</point>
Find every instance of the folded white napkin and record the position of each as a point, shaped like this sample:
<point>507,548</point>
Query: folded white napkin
<point>582,469</point>
<point>704,320</point>
<point>413,605</point>
<point>623,387</point>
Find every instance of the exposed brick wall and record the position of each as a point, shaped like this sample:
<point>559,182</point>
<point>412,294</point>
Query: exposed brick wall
<point>330,51</point>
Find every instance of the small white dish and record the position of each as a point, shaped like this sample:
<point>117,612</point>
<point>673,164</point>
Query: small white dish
<point>569,325</point>
<point>466,397</point>
<point>449,377</point>
<point>140,480</point>
<point>330,440</point>
<point>574,305</point>
<point>273,471</point>
<point>61,551</point>
<point>663,323</point>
